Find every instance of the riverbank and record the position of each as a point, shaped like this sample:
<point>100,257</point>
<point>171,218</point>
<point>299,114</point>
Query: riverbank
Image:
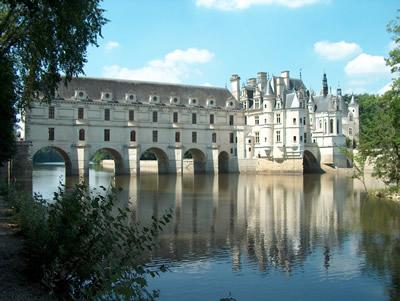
<point>14,285</point>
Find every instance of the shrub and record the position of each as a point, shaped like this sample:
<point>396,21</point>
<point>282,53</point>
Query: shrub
<point>84,246</point>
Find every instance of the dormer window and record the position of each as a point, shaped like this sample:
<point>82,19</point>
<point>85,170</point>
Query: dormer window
<point>106,96</point>
<point>80,95</point>
<point>154,99</point>
<point>130,97</point>
<point>193,101</point>
<point>174,100</point>
<point>229,104</point>
<point>211,102</point>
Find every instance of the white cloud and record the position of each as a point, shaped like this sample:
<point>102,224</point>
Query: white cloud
<point>243,4</point>
<point>367,65</point>
<point>111,45</point>
<point>336,50</point>
<point>175,67</point>
<point>385,88</point>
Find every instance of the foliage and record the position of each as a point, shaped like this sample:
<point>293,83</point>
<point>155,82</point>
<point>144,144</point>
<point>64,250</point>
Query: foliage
<point>47,154</point>
<point>380,122</point>
<point>101,155</point>
<point>39,41</point>
<point>148,155</point>
<point>86,247</point>
<point>8,96</point>
<point>358,159</point>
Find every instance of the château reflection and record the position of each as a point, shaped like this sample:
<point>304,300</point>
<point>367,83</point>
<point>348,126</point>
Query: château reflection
<point>269,221</point>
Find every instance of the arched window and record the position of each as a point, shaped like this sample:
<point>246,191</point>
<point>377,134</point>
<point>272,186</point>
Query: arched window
<point>133,136</point>
<point>350,117</point>
<point>81,135</point>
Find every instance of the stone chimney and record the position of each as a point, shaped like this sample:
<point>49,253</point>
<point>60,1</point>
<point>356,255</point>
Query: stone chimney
<point>235,86</point>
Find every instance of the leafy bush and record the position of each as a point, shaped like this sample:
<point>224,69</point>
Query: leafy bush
<point>85,247</point>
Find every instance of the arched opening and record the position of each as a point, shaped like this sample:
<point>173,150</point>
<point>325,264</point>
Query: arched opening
<point>81,135</point>
<point>51,165</point>
<point>109,160</point>
<point>194,161</point>
<point>223,162</point>
<point>133,136</point>
<point>154,160</point>
<point>310,163</point>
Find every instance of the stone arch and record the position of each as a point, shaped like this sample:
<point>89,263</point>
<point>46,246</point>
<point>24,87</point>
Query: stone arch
<point>223,162</point>
<point>310,163</point>
<point>160,156</point>
<point>194,160</point>
<point>116,155</point>
<point>63,154</point>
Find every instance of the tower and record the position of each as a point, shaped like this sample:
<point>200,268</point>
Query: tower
<point>324,85</point>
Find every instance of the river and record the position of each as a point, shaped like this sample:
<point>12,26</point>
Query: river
<point>262,237</point>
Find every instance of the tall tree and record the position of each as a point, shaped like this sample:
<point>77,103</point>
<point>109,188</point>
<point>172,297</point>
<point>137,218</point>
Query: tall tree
<point>41,41</point>
<point>380,130</point>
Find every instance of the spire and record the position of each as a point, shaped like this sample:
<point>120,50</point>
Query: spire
<point>324,85</point>
<point>352,101</point>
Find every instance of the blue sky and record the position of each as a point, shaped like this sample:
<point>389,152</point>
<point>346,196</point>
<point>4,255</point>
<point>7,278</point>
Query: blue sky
<point>203,42</point>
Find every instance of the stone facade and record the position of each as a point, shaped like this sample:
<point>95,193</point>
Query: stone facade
<point>268,124</point>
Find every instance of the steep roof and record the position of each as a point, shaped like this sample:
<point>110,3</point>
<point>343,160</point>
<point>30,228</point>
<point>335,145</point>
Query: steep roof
<point>95,86</point>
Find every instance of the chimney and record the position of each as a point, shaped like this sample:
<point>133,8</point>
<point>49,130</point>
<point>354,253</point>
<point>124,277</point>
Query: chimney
<point>285,75</point>
<point>235,86</point>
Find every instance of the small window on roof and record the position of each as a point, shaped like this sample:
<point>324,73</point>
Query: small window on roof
<point>154,98</point>
<point>194,100</point>
<point>80,94</point>
<point>131,97</point>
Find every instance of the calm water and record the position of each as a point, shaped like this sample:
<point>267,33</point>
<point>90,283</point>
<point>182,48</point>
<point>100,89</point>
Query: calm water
<point>263,237</point>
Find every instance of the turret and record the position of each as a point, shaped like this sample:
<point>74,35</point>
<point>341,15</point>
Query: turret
<point>324,85</point>
<point>235,86</point>
<point>269,97</point>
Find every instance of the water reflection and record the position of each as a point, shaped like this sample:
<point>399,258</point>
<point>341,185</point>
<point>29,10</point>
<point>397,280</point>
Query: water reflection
<point>314,234</point>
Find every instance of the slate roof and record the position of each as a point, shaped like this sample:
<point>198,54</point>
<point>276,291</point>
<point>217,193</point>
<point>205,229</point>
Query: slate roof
<point>143,90</point>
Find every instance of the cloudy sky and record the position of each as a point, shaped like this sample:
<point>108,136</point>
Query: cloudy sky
<point>203,42</point>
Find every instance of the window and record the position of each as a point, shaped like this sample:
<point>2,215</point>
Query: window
<point>51,112</point>
<point>320,123</point>
<point>235,152</point>
<point>301,138</point>
<point>256,120</point>
<point>337,127</point>
<point>295,139</point>
<point>265,139</point>
<point>231,151</point>
<point>107,114</point>
<point>155,116</point>
<point>305,137</point>
<point>155,136</point>
<point>245,119</point>
<point>278,118</point>
<point>194,118</point>
<point>131,115</point>
<point>294,121</point>
<point>231,138</point>
<point>230,119</point>
<point>51,134</point>
<point>278,136</point>
<point>350,117</point>
<point>331,126</point>
<point>106,135</point>
<point>257,137</point>
<point>350,131</point>
<point>81,113</point>
<point>304,121</point>
<point>194,137</point>
<point>265,120</point>
<point>175,117</point>
<point>214,137</point>
<point>211,118</point>
<point>314,141</point>
<point>325,127</point>
<point>81,135</point>
<point>177,136</point>
<point>301,120</point>
<point>133,136</point>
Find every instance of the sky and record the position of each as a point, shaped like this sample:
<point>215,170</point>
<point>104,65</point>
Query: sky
<point>204,42</point>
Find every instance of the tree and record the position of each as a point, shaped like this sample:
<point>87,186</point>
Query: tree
<point>380,123</point>
<point>41,40</point>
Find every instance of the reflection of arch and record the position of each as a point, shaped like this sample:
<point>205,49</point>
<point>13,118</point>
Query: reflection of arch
<point>199,159</point>
<point>118,161</point>
<point>63,154</point>
<point>160,155</point>
<point>223,162</point>
<point>310,163</point>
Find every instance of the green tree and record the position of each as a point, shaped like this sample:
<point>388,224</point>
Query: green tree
<point>380,122</point>
<point>41,41</point>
